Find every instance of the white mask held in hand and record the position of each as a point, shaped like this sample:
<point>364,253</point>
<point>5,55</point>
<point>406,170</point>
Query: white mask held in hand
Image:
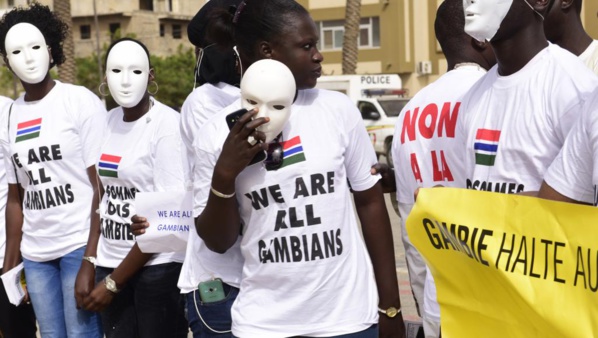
<point>127,73</point>
<point>27,52</point>
<point>484,17</point>
<point>269,86</point>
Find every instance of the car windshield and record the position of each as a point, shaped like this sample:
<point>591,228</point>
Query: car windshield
<point>393,107</point>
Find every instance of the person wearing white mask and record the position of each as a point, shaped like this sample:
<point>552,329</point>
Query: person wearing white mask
<point>415,155</point>
<point>136,293</point>
<point>306,269</point>
<point>515,119</point>
<point>52,137</point>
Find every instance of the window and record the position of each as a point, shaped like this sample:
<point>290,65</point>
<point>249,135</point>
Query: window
<point>11,3</point>
<point>332,33</point>
<point>114,31</point>
<point>146,5</point>
<point>85,31</point>
<point>170,6</point>
<point>368,110</point>
<point>162,32</point>
<point>176,32</point>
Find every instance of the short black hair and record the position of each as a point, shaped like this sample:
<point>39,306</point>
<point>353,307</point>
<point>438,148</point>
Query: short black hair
<point>449,26</point>
<point>132,40</point>
<point>53,29</point>
<point>254,21</point>
<point>196,30</point>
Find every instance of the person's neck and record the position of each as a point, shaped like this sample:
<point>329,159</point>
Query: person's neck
<point>135,113</point>
<point>37,91</point>
<point>574,39</point>
<point>513,53</point>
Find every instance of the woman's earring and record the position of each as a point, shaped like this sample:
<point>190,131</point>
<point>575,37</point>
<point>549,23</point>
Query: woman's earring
<point>100,89</point>
<point>155,91</point>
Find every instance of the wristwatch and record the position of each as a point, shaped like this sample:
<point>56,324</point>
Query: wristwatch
<point>111,284</point>
<point>90,259</point>
<point>391,312</point>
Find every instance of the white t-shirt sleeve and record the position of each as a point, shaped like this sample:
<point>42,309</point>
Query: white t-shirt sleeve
<point>170,166</point>
<point>359,154</point>
<point>571,172</point>
<point>206,154</point>
<point>189,122</point>
<point>5,143</point>
<point>92,127</point>
<point>562,124</point>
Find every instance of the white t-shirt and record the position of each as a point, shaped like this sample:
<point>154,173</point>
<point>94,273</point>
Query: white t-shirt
<point>574,173</point>
<point>306,271</point>
<point>424,133</point>
<point>590,56</point>
<point>200,105</point>
<point>201,263</point>
<point>514,126</point>
<point>140,156</point>
<point>4,164</point>
<point>52,142</point>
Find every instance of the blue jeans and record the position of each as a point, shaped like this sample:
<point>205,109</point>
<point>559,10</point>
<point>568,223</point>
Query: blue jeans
<point>51,287</point>
<point>215,315</point>
<point>150,304</point>
<point>370,332</point>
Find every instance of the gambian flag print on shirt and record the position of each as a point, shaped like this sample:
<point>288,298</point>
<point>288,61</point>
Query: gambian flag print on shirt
<point>28,130</point>
<point>108,166</point>
<point>486,146</point>
<point>292,152</point>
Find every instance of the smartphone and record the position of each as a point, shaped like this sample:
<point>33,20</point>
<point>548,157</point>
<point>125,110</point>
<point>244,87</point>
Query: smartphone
<point>211,291</point>
<point>231,120</point>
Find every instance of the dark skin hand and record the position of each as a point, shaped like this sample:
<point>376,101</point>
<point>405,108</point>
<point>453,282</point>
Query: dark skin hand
<point>85,281</point>
<point>100,297</point>
<point>377,235</point>
<point>387,173</point>
<point>219,224</point>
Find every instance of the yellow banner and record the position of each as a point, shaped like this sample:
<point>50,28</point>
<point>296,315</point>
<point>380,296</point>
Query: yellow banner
<point>509,266</point>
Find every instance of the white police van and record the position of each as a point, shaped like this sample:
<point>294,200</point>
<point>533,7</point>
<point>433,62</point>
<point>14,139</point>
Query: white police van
<point>380,98</point>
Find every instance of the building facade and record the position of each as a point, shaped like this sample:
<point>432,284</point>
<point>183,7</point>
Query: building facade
<point>396,36</point>
<point>160,24</point>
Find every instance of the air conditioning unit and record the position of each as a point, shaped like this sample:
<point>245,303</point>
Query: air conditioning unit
<point>424,68</point>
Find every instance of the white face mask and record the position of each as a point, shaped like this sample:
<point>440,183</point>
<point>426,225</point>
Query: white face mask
<point>270,86</point>
<point>483,17</point>
<point>27,52</point>
<point>127,73</point>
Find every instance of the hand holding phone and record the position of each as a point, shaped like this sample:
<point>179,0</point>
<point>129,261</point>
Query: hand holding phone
<point>231,120</point>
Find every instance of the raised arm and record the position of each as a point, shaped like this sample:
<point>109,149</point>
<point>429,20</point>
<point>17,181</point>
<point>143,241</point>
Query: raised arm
<point>219,222</point>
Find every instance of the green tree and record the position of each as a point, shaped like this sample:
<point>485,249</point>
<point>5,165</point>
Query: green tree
<point>174,75</point>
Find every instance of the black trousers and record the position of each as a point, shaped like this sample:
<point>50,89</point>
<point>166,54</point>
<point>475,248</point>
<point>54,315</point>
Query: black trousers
<point>15,321</point>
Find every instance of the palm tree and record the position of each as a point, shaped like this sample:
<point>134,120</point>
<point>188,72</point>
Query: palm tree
<point>350,48</point>
<point>67,72</point>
